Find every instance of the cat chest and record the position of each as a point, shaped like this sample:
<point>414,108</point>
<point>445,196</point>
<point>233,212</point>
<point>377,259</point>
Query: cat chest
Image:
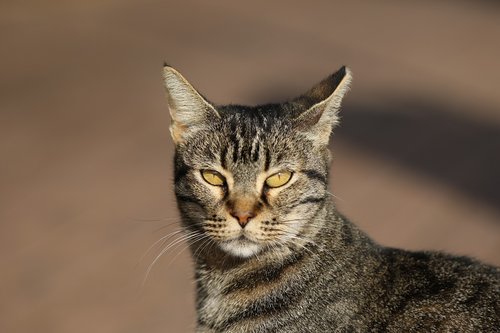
<point>231,305</point>
<point>223,305</point>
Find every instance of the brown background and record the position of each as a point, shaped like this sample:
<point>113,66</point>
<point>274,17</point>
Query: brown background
<point>85,154</point>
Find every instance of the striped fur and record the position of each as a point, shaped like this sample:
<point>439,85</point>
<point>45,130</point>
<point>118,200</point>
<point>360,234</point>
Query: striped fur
<point>297,265</point>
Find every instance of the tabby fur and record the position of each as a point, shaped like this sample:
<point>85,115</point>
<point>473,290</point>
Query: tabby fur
<point>283,259</point>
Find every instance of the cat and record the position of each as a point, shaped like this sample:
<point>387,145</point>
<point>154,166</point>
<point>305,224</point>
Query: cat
<point>272,253</point>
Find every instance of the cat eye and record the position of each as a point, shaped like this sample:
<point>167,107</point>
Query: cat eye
<point>213,177</point>
<point>278,179</point>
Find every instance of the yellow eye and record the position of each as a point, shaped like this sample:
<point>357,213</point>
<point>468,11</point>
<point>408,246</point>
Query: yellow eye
<point>213,177</point>
<point>278,179</point>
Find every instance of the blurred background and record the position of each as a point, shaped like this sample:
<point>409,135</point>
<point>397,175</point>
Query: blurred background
<point>86,157</point>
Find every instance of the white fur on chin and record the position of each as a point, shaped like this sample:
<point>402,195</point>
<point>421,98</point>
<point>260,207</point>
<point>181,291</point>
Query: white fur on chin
<point>242,249</point>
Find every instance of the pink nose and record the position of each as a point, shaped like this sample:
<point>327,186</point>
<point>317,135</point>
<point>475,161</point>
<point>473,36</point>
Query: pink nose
<point>242,217</point>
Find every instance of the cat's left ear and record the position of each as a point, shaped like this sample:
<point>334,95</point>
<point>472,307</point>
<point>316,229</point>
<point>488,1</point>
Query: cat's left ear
<point>189,110</point>
<point>322,104</point>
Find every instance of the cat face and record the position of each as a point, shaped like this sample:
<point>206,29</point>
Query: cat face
<point>251,179</point>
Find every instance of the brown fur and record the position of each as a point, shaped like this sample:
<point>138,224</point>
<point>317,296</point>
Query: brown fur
<point>284,259</point>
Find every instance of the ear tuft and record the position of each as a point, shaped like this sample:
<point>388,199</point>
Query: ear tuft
<point>322,104</point>
<point>188,109</point>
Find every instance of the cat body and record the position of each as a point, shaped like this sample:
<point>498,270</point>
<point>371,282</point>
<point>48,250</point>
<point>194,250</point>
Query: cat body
<point>271,252</point>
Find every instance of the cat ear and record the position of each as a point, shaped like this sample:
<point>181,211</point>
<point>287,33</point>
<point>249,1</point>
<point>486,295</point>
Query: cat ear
<point>322,104</point>
<point>188,109</point>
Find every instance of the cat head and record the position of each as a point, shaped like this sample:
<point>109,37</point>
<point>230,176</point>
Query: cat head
<point>251,179</point>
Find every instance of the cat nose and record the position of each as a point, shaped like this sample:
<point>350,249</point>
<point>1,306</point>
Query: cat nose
<point>243,217</point>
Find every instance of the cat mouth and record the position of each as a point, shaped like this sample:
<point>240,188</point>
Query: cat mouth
<point>241,239</point>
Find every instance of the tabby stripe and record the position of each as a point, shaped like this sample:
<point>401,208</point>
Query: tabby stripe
<point>263,276</point>
<point>187,199</point>
<point>236,147</point>
<point>271,307</point>
<point>308,200</point>
<point>263,197</point>
<point>347,235</point>
<point>225,192</point>
<point>280,302</point>
<point>315,175</point>
<point>235,142</point>
<point>223,157</point>
<point>181,171</point>
<point>267,161</point>
<point>255,150</point>
<point>480,293</point>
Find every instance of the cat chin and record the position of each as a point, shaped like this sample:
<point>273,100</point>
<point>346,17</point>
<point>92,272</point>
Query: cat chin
<point>241,249</point>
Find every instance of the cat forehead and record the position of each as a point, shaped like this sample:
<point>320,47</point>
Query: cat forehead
<point>263,123</point>
<point>251,125</point>
<point>261,115</point>
<point>238,140</point>
<point>246,135</point>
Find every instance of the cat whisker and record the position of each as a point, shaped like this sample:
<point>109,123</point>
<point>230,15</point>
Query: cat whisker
<point>330,225</point>
<point>292,237</point>
<point>202,247</point>
<point>162,219</point>
<point>335,196</point>
<point>175,223</point>
<point>190,242</point>
<point>164,238</point>
<point>318,228</point>
<point>168,247</point>
<point>300,238</point>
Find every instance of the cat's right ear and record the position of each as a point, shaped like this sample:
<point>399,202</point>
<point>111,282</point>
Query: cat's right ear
<point>188,109</point>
